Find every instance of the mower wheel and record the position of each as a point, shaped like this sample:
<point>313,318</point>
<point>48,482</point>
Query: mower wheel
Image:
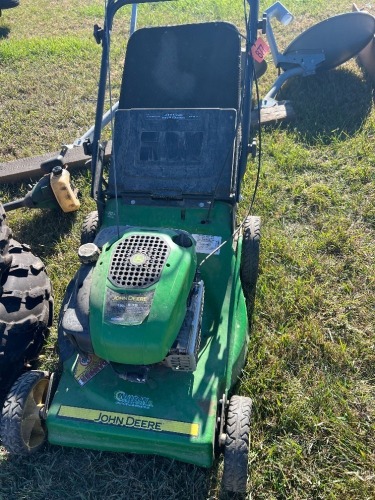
<point>250,260</point>
<point>90,227</point>
<point>236,448</point>
<point>22,429</point>
<point>8,4</point>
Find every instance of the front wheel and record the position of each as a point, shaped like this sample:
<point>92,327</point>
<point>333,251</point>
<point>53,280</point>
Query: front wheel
<point>90,227</point>
<point>22,429</point>
<point>236,450</point>
<point>250,260</point>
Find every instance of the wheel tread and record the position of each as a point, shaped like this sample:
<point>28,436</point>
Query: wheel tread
<point>90,227</point>
<point>237,444</point>
<point>26,306</point>
<point>12,413</point>
<point>250,259</point>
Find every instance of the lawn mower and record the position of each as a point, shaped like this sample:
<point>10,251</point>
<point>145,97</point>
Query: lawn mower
<point>154,327</point>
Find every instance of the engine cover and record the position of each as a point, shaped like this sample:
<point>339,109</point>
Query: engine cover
<point>139,293</point>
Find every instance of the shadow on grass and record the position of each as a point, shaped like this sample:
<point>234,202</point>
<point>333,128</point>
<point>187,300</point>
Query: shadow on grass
<point>43,229</point>
<point>328,106</point>
<point>4,32</point>
<point>73,473</point>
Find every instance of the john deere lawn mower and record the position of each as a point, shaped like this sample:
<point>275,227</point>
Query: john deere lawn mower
<point>153,330</point>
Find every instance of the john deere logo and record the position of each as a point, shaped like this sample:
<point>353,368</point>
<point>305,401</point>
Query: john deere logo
<point>138,259</point>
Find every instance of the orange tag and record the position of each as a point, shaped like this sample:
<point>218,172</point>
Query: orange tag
<point>259,50</point>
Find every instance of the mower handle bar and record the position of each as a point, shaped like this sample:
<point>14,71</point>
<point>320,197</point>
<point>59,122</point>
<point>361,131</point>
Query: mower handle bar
<point>112,7</point>
<point>116,4</point>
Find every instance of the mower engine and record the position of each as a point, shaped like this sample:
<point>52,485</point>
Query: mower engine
<point>150,309</point>
<point>183,354</point>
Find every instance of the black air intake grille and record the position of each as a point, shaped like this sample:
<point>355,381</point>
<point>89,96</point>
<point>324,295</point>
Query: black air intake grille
<point>138,261</point>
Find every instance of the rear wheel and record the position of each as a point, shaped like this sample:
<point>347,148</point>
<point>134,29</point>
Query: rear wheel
<point>22,428</point>
<point>250,260</point>
<point>236,448</point>
<point>90,227</point>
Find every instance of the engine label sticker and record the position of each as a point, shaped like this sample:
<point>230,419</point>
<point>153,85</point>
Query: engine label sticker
<point>86,367</point>
<point>122,398</point>
<point>207,243</point>
<point>127,308</point>
<point>128,420</point>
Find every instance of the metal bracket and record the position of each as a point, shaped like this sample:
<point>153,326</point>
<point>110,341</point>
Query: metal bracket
<point>221,420</point>
<point>268,102</point>
<point>87,147</point>
<point>51,380</point>
<point>98,33</point>
<point>308,60</point>
<point>253,148</point>
<point>262,24</point>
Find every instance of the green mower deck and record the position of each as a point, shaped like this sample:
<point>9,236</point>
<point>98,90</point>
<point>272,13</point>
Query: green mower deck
<point>173,414</point>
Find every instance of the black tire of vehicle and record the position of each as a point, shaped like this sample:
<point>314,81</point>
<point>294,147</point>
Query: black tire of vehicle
<point>250,260</point>
<point>26,311</point>
<point>236,450</point>
<point>22,430</point>
<point>9,4</point>
<point>90,227</point>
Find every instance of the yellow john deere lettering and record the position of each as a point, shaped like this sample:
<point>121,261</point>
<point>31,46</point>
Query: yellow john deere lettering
<point>127,420</point>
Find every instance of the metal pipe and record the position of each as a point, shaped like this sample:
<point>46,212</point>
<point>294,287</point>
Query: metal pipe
<point>96,169</point>
<point>14,205</point>
<point>107,116</point>
<point>252,30</point>
<point>133,20</point>
<point>90,133</point>
<point>282,14</point>
<point>281,79</point>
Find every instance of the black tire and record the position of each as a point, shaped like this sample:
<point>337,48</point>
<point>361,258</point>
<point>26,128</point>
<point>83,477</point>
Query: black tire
<point>237,442</point>
<point>250,260</point>
<point>22,429</point>
<point>26,310</point>
<point>8,4</point>
<point>90,227</point>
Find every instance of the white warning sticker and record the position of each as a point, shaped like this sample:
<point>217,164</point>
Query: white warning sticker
<point>207,243</point>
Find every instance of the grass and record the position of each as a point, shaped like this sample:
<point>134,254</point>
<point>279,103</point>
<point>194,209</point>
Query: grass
<point>310,368</point>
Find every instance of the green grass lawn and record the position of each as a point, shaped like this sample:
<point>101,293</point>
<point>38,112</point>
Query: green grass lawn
<point>310,368</point>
